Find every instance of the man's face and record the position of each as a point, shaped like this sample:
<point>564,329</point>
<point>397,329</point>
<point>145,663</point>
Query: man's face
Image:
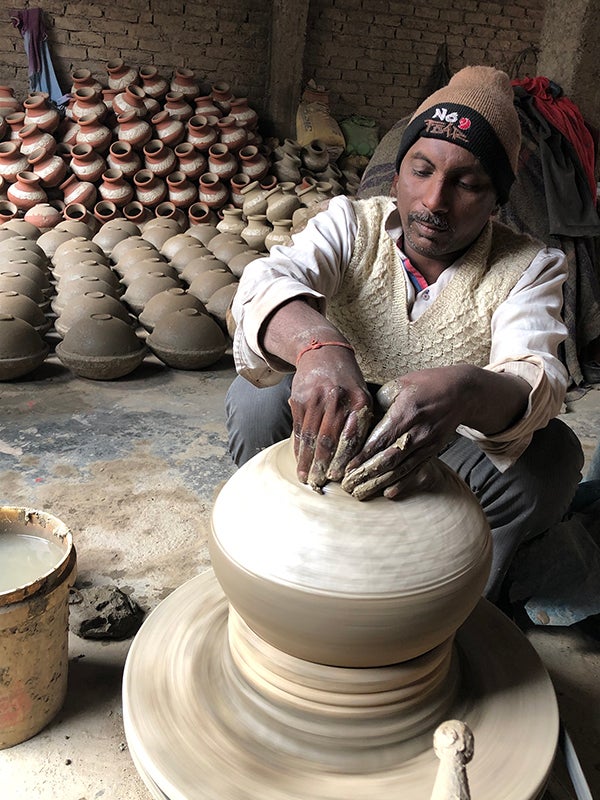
<point>444,197</point>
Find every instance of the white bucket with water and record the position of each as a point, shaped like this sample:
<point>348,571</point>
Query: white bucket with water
<point>37,568</point>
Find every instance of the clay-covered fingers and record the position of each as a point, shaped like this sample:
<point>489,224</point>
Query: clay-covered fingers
<point>318,431</point>
<point>356,429</point>
<point>381,470</point>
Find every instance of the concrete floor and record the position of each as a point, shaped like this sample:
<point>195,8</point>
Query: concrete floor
<point>132,467</point>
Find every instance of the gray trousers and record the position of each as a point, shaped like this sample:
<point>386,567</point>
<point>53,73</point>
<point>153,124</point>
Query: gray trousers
<point>520,503</point>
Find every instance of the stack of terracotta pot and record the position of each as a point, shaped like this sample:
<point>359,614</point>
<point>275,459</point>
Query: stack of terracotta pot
<point>140,141</point>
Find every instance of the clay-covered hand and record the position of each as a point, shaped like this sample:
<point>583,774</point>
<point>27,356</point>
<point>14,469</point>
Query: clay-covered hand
<point>332,414</point>
<point>424,410</point>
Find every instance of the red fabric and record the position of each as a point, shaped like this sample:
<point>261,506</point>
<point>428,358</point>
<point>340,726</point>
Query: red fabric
<point>566,117</point>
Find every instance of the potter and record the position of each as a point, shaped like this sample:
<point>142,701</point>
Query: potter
<point>424,294</point>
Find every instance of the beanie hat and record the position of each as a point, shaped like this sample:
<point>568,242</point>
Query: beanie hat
<point>475,111</point>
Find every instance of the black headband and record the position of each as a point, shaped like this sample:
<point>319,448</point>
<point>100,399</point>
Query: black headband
<point>462,125</point>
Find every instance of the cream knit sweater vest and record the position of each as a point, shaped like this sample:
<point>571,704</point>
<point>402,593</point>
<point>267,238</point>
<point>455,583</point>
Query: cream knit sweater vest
<point>370,308</point>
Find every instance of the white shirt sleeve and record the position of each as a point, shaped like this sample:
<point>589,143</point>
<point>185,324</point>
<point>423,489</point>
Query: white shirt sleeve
<point>311,267</point>
<point>527,327</point>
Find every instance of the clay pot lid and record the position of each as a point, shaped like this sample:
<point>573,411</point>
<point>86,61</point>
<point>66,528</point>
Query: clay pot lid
<point>239,262</point>
<point>101,347</point>
<point>85,305</point>
<point>204,232</point>
<point>23,228</point>
<point>79,286</point>
<point>14,281</point>
<point>146,265</point>
<point>199,265</point>
<point>19,305</point>
<point>187,339</point>
<point>166,302</point>
<point>30,270</point>
<point>88,269</point>
<point>144,287</point>
<point>207,283</point>
<point>221,300</point>
<point>387,566</point>
<point>22,349</point>
<point>175,242</point>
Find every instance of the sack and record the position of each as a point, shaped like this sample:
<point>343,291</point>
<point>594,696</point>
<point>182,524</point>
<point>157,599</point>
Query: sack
<point>314,121</point>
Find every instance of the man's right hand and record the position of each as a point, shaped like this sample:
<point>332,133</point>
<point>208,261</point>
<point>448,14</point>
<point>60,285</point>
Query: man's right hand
<point>332,413</point>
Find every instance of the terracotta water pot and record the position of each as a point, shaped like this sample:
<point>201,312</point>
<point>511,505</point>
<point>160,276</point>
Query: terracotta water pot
<point>40,111</point>
<point>33,138</point>
<point>159,158</point>
<point>12,161</point>
<point>76,191</point>
<point>121,155</point>
<point>87,101</point>
<point>253,163</point>
<point>150,190</point>
<point>26,191</point>
<point>221,162</point>
<point>44,216</point>
<point>232,133</point>
<point>8,102</point>
<point>82,78</point>
<point>168,211</point>
<point>15,121</point>
<point>50,169</point>
<point>182,192</point>
<point>115,188</point>
<point>137,213</point>
<point>236,183</point>
<point>177,106</point>
<point>241,111</point>
<point>105,211</point>
<point>77,213</point>
<point>86,163</point>
<point>212,191</point>
<point>200,133</point>
<point>201,214</point>
<point>130,101</point>
<point>120,74</point>
<point>206,106</point>
<point>222,96</point>
<point>152,83</point>
<point>168,129</point>
<point>8,211</point>
<point>190,161</point>
<point>92,131</point>
<point>184,82</point>
<point>133,129</point>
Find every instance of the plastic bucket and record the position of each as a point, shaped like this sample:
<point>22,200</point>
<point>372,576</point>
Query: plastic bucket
<point>34,632</point>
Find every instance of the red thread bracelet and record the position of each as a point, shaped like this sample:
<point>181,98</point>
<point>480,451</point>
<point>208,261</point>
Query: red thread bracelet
<point>316,345</point>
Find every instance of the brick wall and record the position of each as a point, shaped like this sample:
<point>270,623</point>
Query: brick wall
<point>222,40</point>
<point>377,58</point>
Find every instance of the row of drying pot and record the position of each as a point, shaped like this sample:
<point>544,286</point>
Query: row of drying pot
<point>92,275</point>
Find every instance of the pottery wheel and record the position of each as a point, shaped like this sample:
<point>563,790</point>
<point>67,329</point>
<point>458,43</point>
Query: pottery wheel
<point>191,736</point>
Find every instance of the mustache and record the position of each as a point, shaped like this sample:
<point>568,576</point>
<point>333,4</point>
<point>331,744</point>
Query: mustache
<point>433,220</point>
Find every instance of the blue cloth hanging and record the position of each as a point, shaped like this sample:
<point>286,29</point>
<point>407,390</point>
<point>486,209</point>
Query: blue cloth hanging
<point>42,78</point>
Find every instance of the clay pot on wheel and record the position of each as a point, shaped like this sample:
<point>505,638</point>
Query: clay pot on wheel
<point>101,347</point>
<point>187,339</point>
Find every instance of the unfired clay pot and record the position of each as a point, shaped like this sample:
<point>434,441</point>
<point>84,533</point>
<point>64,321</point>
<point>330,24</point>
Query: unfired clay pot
<point>101,347</point>
<point>146,286</point>
<point>165,303</point>
<point>19,305</point>
<point>187,339</point>
<point>207,283</point>
<point>85,305</point>
<point>220,301</point>
<point>22,349</point>
<point>298,591</point>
